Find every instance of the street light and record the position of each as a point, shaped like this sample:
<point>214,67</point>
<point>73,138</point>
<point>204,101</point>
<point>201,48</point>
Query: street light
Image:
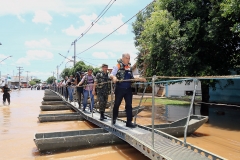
<point>5,59</point>
<point>67,63</point>
<point>65,57</point>
<point>2,61</point>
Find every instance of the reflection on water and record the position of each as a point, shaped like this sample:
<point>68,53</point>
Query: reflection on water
<point>176,112</point>
<point>223,117</point>
<point>5,119</point>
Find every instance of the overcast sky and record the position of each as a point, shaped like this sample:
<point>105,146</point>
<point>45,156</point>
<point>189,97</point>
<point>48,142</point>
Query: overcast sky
<point>35,31</point>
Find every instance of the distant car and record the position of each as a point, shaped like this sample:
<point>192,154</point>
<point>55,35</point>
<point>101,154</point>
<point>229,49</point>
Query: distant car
<point>15,87</point>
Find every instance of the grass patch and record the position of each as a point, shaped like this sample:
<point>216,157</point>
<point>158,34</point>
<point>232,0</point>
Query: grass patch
<point>165,101</point>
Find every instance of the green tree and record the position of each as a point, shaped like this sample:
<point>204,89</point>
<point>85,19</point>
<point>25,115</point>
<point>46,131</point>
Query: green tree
<point>32,82</point>
<point>189,38</point>
<point>50,80</point>
<point>80,66</point>
<point>65,72</point>
<point>231,10</point>
<point>36,80</point>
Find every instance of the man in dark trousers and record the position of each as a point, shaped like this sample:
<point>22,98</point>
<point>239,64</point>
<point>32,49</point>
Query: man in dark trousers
<point>103,89</point>
<point>6,94</point>
<point>123,71</point>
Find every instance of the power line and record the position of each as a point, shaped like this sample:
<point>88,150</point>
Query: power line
<point>116,28</point>
<point>87,61</point>
<point>97,59</point>
<point>107,7</point>
<point>110,3</point>
<point>66,55</point>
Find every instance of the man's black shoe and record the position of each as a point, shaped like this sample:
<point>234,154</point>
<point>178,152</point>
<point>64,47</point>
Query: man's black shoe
<point>131,125</point>
<point>114,121</point>
<point>101,116</point>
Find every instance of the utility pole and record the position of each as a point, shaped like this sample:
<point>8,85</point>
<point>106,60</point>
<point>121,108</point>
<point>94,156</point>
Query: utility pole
<point>19,74</point>
<point>27,78</point>
<point>74,57</point>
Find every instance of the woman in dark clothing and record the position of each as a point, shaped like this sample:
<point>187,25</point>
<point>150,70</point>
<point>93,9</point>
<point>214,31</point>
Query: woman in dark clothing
<point>78,78</point>
<point>6,94</point>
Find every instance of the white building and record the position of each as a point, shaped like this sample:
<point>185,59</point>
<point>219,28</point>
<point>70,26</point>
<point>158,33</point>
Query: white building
<point>181,89</point>
<point>173,90</point>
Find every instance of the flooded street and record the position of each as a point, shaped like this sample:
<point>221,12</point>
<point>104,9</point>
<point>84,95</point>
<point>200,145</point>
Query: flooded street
<point>19,123</point>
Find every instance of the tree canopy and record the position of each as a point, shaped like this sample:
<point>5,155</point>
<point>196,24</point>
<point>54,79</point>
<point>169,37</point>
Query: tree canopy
<point>188,38</point>
<point>50,80</point>
<point>80,66</point>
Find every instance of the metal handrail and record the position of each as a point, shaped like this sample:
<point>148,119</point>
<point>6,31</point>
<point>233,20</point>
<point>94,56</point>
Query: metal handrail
<point>190,110</point>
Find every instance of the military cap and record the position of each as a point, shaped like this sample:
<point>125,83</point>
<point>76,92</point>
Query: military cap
<point>104,65</point>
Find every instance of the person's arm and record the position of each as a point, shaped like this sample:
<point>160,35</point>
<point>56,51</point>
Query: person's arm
<point>94,87</point>
<point>81,82</point>
<point>75,82</point>
<point>141,79</point>
<point>113,74</point>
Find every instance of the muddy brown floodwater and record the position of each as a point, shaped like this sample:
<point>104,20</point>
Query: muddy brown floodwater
<point>19,123</point>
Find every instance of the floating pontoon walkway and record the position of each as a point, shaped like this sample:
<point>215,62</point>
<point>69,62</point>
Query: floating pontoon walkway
<point>162,147</point>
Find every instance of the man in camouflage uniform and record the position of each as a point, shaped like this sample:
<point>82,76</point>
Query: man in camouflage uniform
<point>103,89</point>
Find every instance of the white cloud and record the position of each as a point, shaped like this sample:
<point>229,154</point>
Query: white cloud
<point>113,46</point>
<point>20,18</point>
<point>16,7</point>
<point>23,61</point>
<point>39,55</point>
<point>34,55</point>
<point>43,75</point>
<point>42,17</point>
<point>103,55</point>
<point>2,56</point>
<point>104,25</point>
<point>38,44</point>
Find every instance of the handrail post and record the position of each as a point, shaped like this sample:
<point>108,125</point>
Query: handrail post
<point>135,117</point>
<point>111,110</point>
<point>190,109</point>
<point>153,107</point>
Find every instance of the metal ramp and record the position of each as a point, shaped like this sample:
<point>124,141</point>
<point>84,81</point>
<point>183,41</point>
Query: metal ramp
<point>165,146</point>
<point>155,144</point>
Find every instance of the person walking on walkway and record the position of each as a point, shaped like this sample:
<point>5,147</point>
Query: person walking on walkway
<point>78,78</point>
<point>103,89</point>
<point>6,94</point>
<point>64,85</point>
<point>70,83</point>
<point>89,89</point>
<point>123,71</point>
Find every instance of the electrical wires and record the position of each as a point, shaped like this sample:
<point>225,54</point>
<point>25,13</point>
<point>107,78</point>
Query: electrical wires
<point>97,19</point>
<point>106,8</point>
<point>116,28</point>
